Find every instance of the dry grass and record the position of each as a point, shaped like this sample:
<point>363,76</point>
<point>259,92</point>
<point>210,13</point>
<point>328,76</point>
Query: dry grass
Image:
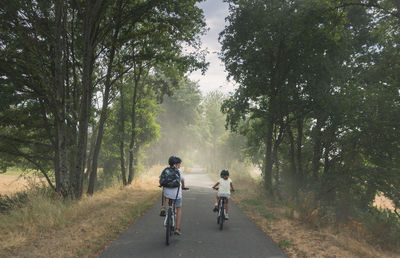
<point>382,202</point>
<point>12,183</point>
<point>52,228</point>
<point>283,225</point>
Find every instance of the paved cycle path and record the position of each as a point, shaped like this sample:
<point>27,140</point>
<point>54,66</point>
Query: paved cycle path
<point>201,236</point>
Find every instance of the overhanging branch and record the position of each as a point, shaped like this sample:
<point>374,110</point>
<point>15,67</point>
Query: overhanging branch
<point>368,5</point>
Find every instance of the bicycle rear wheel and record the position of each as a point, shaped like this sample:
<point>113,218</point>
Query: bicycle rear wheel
<point>221,216</point>
<point>219,211</point>
<point>168,227</point>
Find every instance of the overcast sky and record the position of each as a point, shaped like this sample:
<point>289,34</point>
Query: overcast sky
<point>215,12</point>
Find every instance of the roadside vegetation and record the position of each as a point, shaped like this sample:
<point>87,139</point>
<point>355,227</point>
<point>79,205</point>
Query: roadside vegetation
<point>298,222</point>
<point>318,103</point>
<point>301,232</point>
<point>78,75</point>
<point>38,223</point>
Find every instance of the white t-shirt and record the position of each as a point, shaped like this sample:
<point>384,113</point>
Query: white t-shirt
<point>170,193</point>
<point>224,186</point>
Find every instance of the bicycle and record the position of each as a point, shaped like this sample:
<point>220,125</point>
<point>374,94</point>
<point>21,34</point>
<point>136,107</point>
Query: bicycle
<point>170,219</point>
<point>221,210</point>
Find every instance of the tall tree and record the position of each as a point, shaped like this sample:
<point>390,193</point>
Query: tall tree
<point>311,86</point>
<point>59,73</point>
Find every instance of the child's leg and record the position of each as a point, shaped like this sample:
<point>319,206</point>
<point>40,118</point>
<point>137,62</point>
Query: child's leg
<point>216,204</point>
<point>178,217</point>
<point>164,202</point>
<point>216,200</point>
<point>226,206</point>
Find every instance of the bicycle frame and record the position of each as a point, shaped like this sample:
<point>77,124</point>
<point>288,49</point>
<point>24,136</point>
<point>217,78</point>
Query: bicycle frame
<point>221,212</point>
<point>169,221</point>
<point>170,211</point>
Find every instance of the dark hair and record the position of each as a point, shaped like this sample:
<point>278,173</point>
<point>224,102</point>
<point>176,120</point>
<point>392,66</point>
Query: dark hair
<point>224,173</point>
<point>171,160</point>
<point>178,160</point>
<point>174,160</point>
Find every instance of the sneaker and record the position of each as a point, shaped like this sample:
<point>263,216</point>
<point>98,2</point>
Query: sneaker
<point>215,209</point>
<point>226,216</point>
<point>162,213</point>
<point>178,232</point>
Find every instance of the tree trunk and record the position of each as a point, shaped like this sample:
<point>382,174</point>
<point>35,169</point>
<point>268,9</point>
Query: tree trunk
<point>317,147</point>
<point>292,153</point>
<point>104,109</point>
<point>92,17</point>
<point>295,178</point>
<point>73,99</point>
<point>122,139</point>
<point>277,143</point>
<point>299,151</point>
<point>62,186</point>
<point>277,175</point>
<point>133,126</point>
<point>268,155</point>
<point>90,155</point>
<point>103,118</point>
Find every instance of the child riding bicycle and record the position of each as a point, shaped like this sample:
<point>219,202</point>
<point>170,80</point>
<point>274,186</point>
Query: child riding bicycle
<point>224,190</point>
<point>172,181</point>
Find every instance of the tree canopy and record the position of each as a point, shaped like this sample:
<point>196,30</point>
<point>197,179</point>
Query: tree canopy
<point>61,64</point>
<point>318,96</point>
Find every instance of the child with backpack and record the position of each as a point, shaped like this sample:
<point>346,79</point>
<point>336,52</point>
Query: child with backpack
<point>224,190</point>
<point>172,181</point>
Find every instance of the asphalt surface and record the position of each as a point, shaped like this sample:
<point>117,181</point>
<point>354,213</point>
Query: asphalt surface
<point>201,236</point>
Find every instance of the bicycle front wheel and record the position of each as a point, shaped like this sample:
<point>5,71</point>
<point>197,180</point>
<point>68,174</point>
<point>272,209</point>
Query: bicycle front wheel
<point>221,217</point>
<point>168,228</point>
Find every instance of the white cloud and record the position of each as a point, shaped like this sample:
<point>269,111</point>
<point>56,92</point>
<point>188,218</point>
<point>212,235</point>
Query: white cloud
<point>215,12</point>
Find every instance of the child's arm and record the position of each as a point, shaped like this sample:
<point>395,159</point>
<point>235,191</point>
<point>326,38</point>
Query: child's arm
<point>232,187</point>
<point>216,184</point>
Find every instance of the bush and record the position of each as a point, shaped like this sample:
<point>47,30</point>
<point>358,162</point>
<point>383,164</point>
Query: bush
<point>8,203</point>
<point>384,225</point>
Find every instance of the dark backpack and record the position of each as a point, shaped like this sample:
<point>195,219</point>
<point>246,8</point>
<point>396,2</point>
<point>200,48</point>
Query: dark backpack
<point>170,178</point>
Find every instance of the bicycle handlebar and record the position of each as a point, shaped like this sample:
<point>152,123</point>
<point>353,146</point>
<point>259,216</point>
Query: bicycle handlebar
<point>183,188</point>
<point>216,188</point>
